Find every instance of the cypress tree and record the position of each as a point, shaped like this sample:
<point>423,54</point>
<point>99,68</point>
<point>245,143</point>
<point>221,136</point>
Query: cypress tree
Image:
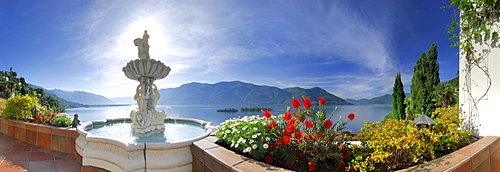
<point>398,98</point>
<point>425,77</point>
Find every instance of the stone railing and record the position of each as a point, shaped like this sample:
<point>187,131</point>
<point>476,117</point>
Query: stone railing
<point>56,138</point>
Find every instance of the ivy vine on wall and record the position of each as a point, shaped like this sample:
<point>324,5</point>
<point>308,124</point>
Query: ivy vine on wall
<point>476,37</point>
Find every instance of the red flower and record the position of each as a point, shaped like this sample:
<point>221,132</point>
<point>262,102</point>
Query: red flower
<point>58,112</point>
<point>295,103</point>
<point>267,114</point>
<point>309,124</point>
<point>268,159</point>
<point>322,101</point>
<point>49,114</point>
<point>289,165</point>
<point>344,155</point>
<point>307,103</point>
<point>272,124</point>
<point>341,165</point>
<point>279,142</point>
<point>272,146</point>
<point>312,167</point>
<point>290,127</point>
<point>50,121</point>
<point>37,117</point>
<point>286,139</point>
<point>328,124</point>
<point>351,116</point>
<point>288,116</point>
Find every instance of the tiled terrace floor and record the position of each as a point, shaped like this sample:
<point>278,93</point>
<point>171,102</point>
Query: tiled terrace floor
<point>17,155</point>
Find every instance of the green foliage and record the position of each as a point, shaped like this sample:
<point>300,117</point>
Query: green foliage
<point>255,109</point>
<point>447,129</point>
<point>425,78</point>
<point>446,93</point>
<point>62,121</point>
<point>18,108</point>
<point>246,135</point>
<point>391,145</point>
<point>398,98</point>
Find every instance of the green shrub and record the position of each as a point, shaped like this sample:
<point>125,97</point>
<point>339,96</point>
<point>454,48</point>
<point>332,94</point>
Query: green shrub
<point>62,121</point>
<point>391,145</point>
<point>447,129</point>
<point>18,108</point>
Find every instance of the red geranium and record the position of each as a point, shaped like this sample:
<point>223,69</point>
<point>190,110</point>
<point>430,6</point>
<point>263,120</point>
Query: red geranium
<point>322,101</point>
<point>286,139</point>
<point>341,165</point>
<point>309,124</point>
<point>58,112</point>
<point>328,124</point>
<point>290,127</point>
<point>267,114</point>
<point>288,116</point>
<point>295,103</point>
<point>289,165</point>
<point>272,124</point>
<point>268,159</point>
<point>351,116</point>
<point>312,167</point>
<point>307,103</point>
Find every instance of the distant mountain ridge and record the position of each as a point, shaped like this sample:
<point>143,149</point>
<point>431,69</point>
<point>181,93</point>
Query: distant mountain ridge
<point>81,97</point>
<point>356,102</point>
<point>237,92</point>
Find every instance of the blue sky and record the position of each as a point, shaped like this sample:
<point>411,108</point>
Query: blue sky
<point>352,49</point>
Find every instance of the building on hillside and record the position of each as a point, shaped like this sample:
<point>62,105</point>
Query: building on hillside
<point>4,82</point>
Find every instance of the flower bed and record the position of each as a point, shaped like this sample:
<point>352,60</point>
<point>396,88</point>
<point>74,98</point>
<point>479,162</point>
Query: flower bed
<point>308,140</point>
<point>302,140</point>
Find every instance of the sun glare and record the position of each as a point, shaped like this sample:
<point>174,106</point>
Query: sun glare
<point>136,30</point>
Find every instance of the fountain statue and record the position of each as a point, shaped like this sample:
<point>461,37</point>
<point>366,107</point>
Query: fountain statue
<point>146,71</point>
<point>154,142</point>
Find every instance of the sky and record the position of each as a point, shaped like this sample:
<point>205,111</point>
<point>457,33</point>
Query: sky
<point>352,49</point>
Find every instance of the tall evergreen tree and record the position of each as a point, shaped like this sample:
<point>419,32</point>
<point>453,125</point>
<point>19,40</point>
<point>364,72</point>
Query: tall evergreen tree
<point>425,77</point>
<point>398,98</point>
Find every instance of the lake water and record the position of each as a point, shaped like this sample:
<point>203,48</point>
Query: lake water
<point>371,113</point>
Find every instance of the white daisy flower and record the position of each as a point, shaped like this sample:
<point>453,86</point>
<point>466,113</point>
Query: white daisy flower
<point>265,146</point>
<point>254,146</point>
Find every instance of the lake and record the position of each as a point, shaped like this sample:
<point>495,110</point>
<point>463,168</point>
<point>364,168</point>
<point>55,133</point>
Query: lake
<point>371,113</point>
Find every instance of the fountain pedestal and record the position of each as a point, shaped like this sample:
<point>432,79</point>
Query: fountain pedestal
<point>146,71</point>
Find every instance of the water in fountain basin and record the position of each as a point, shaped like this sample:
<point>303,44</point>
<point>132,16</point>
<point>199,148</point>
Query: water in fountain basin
<point>173,132</point>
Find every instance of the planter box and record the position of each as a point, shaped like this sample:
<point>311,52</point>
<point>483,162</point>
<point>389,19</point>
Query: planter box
<point>482,155</point>
<point>56,138</point>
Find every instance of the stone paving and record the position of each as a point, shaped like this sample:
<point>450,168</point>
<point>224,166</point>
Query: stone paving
<point>17,155</point>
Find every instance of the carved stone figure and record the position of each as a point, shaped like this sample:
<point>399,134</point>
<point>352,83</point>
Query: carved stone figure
<point>146,71</point>
<point>75,122</point>
<point>143,46</point>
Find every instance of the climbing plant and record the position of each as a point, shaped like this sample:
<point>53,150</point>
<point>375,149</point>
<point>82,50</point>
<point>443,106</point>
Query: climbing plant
<point>475,38</point>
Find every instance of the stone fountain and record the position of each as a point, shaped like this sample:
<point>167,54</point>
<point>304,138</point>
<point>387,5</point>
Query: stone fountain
<point>146,71</point>
<point>148,145</point>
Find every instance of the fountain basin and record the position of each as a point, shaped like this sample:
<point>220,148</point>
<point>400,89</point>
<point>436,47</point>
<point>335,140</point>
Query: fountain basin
<point>116,154</point>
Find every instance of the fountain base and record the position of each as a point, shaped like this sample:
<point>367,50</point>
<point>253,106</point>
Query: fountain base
<point>117,155</point>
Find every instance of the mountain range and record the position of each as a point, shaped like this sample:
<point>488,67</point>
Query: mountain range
<point>222,93</point>
<point>236,92</point>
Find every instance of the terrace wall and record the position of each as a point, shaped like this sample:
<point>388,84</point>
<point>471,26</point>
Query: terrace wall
<point>56,138</point>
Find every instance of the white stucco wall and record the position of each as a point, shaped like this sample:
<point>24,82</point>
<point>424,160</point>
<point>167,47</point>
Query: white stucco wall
<point>488,107</point>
